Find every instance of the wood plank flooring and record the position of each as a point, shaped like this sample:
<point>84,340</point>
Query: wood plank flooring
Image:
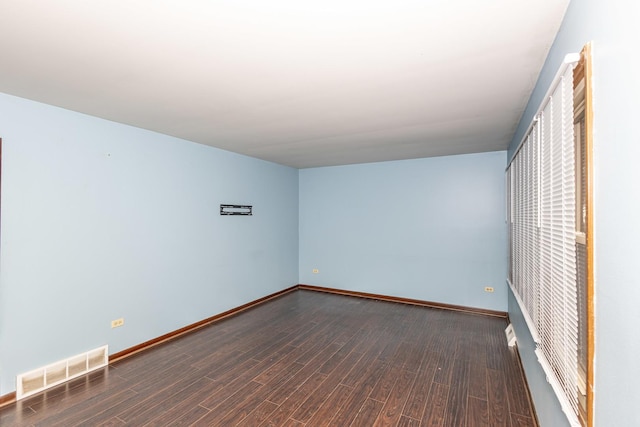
<point>305,359</point>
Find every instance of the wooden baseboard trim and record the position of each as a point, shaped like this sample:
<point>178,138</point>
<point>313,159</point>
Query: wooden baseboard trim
<point>470,310</point>
<point>195,326</point>
<point>7,399</point>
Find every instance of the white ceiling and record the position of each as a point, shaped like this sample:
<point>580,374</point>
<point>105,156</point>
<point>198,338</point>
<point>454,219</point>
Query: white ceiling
<point>297,82</point>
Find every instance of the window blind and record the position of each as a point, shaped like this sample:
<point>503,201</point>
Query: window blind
<point>543,238</point>
<point>524,178</point>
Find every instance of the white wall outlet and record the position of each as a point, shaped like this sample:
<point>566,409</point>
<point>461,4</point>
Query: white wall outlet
<point>488,289</point>
<point>117,323</point>
<point>315,271</point>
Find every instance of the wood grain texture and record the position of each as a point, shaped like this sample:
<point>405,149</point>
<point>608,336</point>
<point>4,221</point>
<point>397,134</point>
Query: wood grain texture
<point>7,399</point>
<point>478,413</point>
<point>498,400</point>
<point>305,359</point>
<point>586,60</point>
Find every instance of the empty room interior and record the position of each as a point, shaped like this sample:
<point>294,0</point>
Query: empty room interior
<point>319,213</point>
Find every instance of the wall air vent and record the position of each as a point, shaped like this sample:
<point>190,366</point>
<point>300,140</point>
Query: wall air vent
<point>236,210</point>
<point>56,373</point>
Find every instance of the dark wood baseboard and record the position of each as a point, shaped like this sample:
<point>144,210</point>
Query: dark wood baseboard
<point>471,310</point>
<point>194,326</point>
<point>8,399</point>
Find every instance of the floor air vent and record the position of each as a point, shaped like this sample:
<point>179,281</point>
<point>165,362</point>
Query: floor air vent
<point>56,373</point>
<point>511,335</point>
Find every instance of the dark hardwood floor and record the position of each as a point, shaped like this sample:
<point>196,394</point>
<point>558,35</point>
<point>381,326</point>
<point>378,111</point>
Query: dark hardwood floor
<point>305,359</point>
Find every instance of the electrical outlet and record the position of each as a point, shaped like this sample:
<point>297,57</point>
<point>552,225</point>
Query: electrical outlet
<point>488,289</point>
<point>117,323</point>
<point>315,271</point>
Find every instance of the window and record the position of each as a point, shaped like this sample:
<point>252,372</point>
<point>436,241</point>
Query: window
<point>548,203</point>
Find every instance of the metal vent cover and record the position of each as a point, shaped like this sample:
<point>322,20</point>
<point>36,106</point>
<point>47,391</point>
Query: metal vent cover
<point>40,379</point>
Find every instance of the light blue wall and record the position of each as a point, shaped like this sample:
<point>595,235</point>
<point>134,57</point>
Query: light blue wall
<point>102,220</point>
<point>428,229</point>
<point>613,27</point>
